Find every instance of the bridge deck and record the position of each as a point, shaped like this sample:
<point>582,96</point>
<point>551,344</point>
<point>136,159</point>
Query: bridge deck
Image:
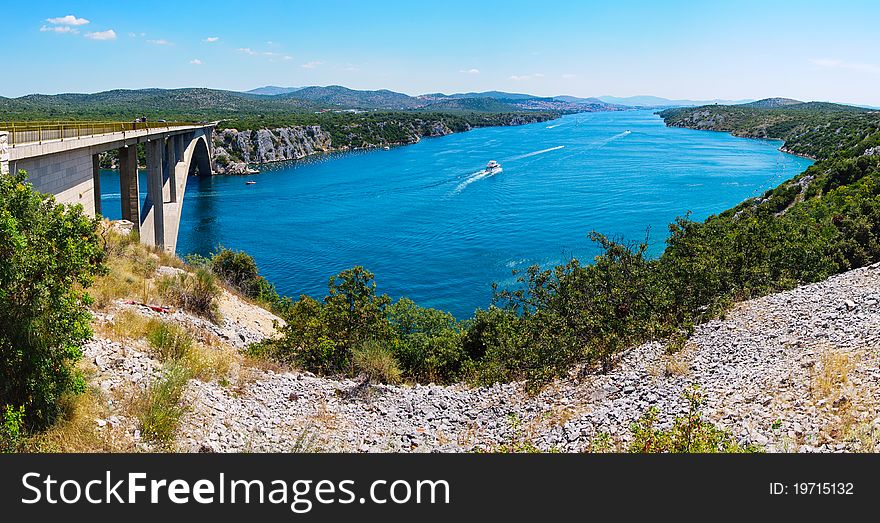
<point>28,141</point>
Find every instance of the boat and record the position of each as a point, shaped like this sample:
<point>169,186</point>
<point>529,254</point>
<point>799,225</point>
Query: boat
<point>492,167</point>
<point>387,148</point>
<point>250,182</point>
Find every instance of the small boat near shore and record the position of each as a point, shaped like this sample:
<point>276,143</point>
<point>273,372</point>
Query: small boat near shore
<point>492,167</point>
<point>250,182</point>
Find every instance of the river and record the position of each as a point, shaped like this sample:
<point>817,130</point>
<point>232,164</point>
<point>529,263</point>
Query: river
<point>433,228</point>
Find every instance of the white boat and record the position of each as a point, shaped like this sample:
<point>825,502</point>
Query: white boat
<point>492,167</point>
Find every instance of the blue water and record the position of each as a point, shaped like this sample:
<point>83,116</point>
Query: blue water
<point>430,227</point>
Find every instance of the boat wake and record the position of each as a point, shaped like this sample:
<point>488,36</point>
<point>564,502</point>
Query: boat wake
<point>473,177</point>
<point>553,126</point>
<point>606,141</point>
<point>535,153</point>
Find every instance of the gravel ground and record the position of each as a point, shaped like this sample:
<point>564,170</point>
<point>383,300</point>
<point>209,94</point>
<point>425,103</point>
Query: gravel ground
<point>761,370</point>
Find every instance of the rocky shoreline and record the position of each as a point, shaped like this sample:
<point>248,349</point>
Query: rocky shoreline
<point>238,152</point>
<point>797,371</point>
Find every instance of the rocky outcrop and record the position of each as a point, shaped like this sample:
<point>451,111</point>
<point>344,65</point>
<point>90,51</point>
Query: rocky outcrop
<point>235,151</point>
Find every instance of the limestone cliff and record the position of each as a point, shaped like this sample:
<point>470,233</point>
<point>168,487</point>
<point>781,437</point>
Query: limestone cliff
<point>235,150</point>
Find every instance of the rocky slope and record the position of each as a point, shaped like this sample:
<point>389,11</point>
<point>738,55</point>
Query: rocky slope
<point>235,150</point>
<point>795,371</point>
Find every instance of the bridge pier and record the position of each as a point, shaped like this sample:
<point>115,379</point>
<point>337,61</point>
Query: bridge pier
<point>96,183</point>
<point>153,217</point>
<point>129,185</point>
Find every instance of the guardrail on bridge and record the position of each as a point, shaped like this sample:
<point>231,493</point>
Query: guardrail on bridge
<point>36,132</point>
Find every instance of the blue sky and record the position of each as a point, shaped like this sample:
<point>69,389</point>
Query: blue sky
<point>676,49</point>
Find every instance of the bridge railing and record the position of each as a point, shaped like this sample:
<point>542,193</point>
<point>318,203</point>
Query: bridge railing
<point>36,132</point>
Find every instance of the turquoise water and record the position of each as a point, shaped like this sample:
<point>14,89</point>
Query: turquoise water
<point>430,227</point>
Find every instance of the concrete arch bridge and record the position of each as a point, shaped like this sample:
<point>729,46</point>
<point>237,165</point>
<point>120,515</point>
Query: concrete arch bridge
<point>62,159</point>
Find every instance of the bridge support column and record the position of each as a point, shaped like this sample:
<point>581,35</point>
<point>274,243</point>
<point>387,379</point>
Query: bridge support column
<point>129,189</point>
<point>171,166</point>
<point>153,223</point>
<point>96,182</point>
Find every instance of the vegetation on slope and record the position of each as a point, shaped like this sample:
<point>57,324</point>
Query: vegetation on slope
<point>48,254</point>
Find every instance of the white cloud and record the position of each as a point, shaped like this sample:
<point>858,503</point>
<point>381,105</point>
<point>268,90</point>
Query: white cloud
<point>311,65</point>
<point>831,63</point>
<point>58,29</point>
<point>569,76</point>
<point>159,41</point>
<point>109,34</point>
<point>273,56</point>
<point>525,77</point>
<point>67,20</point>
<point>195,61</point>
<point>469,71</point>
<point>211,39</point>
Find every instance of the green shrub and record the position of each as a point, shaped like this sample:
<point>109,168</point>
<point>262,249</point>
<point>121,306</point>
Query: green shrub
<point>321,337</point>
<point>195,293</point>
<point>429,347</point>
<point>376,363</point>
<point>170,341</point>
<point>11,429</point>
<point>689,433</point>
<point>239,270</point>
<point>49,253</point>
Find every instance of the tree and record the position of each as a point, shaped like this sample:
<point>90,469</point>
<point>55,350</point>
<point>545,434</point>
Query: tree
<point>49,254</point>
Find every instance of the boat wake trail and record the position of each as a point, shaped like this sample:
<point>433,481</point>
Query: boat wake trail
<point>479,175</point>
<point>553,126</point>
<point>535,153</point>
<point>605,142</point>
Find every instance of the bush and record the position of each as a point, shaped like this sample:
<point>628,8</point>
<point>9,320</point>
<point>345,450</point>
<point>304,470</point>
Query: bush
<point>170,341</point>
<point>239,270</point>
<point>429,347</point>
<point>376,363</point>
<point>11,429</point>
<point>321,337</point>
<point>689,433</point>
<point>49,254</point>
<point>195,293</point>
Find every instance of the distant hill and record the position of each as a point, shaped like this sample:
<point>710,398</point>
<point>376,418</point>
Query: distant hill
<point>344,97</point>
<point>124,104</point>
<point>497,95</point>
<point>485,105</point>
<point>656,101</point>
<point>272,90</point>
<point>575,99</point>
<point>771,103</point>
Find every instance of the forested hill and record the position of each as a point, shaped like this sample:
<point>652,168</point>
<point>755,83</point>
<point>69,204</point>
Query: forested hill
<point>214,104</point>
<point>814,129</point>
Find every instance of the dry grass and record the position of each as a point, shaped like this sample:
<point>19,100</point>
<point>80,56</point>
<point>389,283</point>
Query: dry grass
<point>831,373</point>
<point>669,365</point>
<point>126,325</point>
<point>160,407</point>
<point>208,363</point>
<point>77,431</point>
